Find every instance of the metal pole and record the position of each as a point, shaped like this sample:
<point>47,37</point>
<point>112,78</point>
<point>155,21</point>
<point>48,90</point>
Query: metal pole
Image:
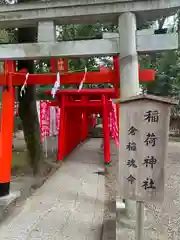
<point>139,220</point>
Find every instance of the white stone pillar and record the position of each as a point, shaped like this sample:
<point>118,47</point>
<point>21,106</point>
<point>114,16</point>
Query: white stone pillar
<point>46,31</point>
<point>129,70</point>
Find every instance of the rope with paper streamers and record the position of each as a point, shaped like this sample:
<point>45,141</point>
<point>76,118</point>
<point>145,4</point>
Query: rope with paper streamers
<point>23,88</point>
<point>56,86</point>
<point>57,83</point>
<point>83,80</point>
<point>77,70</point>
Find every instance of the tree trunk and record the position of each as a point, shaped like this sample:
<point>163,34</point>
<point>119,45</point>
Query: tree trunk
<point>28,109</point>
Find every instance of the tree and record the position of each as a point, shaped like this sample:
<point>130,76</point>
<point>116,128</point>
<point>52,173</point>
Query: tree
<point>167,66</point>
<point>27,108</point>
<point>27,104</point>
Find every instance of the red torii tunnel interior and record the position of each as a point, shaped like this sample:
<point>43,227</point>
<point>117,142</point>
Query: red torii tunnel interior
<point>10,78</point>
<point>76,108</point>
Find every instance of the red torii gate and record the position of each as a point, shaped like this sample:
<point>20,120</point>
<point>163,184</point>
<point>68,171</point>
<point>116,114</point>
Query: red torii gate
<point>10,78</point>
<point>76,106</point>
<point>106,75</point>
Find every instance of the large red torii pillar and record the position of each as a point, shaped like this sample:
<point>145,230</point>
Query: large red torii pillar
<point>6,130</point>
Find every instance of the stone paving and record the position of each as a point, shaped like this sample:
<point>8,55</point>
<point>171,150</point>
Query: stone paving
<point>109,228</point>
<point>70,205</point>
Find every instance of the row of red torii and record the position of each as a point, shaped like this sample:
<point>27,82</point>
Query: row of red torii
<point>76,106</point>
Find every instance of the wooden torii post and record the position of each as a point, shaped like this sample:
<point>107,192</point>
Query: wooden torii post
<point>7,125</point>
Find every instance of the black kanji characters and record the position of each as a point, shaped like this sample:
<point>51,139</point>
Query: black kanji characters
<point>132,131</point>
<point>131,179</point>
<point>148,184</point>
<point>152,116</point>
<point>131,163</point>
<point>150,139</point>
<point>150,161</point>
<point>131,146</point>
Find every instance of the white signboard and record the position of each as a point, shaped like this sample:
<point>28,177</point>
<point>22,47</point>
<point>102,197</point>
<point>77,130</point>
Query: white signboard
<point>143,149</point>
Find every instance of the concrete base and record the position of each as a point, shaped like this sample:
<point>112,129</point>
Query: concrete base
<point>120,206</point>
<point>7,200</point>
<point>126,227</point>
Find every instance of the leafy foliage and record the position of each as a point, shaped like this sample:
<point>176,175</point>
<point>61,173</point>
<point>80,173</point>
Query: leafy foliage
<point>167,66</point>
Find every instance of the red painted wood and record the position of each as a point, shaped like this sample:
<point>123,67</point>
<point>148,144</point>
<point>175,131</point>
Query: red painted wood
<point>106,130</point>
<point>84,134</point>
<point>18,78</point>
<point>62,131</point>
<point>71,122</point>
<point>7,125</point>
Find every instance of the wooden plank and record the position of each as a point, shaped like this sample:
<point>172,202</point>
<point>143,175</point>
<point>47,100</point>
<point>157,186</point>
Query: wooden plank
<point>143,149</point>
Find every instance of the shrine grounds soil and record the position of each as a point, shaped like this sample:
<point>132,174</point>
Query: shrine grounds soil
<point>109,228</point>
<point>22,179</point>
<point>167,214</point>
<point>163,219</point>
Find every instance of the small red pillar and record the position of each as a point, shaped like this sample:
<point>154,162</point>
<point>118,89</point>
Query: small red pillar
<point>62,130</point>
<point>84,127</point>
<point>106,130</point>
<point>84,122</point>
<point>7,125</point>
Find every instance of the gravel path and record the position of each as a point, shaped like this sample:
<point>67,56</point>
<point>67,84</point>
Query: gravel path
<point>163,220</point>
<point>69,205</point>
<point>109,231</point>
<point>167,214</point>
